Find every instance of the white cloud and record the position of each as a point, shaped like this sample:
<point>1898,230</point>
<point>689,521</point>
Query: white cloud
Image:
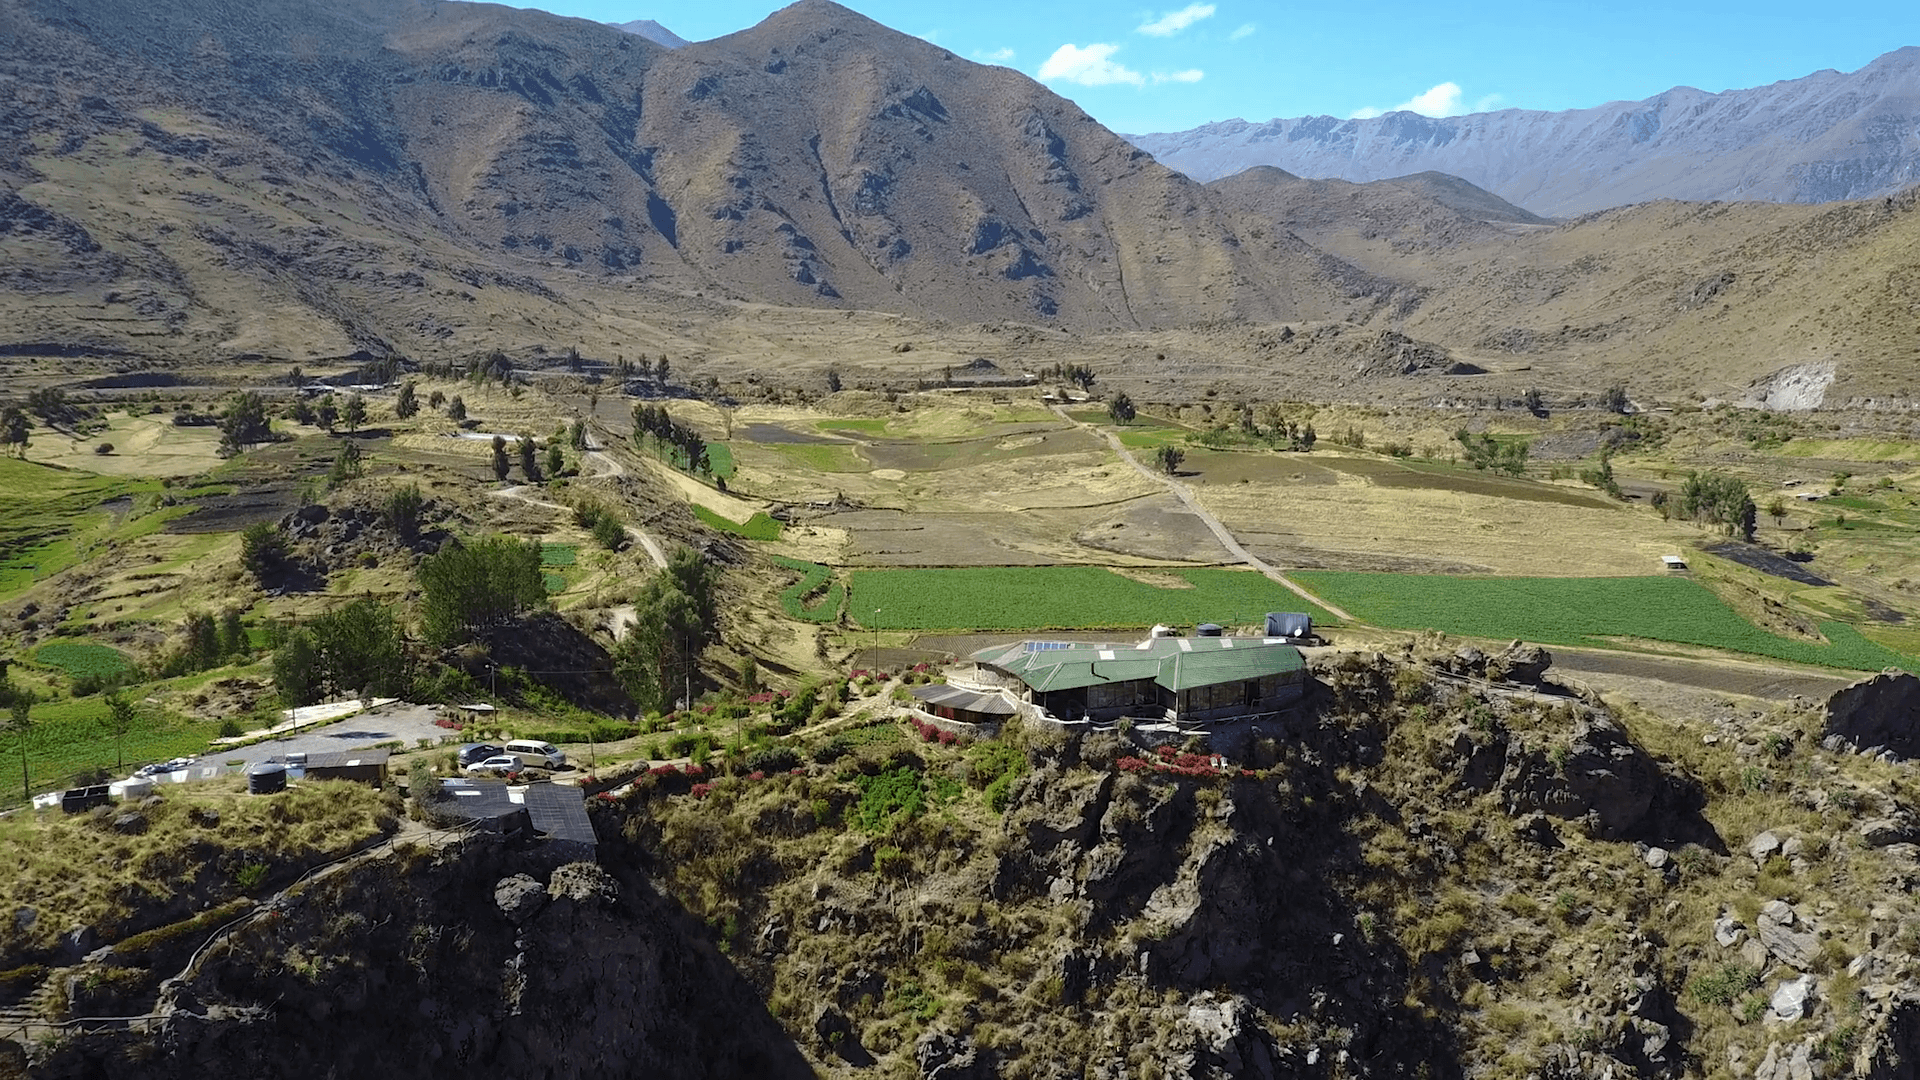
<point>1189,75</point>
<point>1091,66</point>
<point>1442,100</point>
<point>997,56</point>
<point>1175,21</point>
<point>1245,30</point>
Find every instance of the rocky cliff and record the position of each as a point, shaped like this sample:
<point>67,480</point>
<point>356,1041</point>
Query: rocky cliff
<point>1423,872</point>
<point>1825,137</point>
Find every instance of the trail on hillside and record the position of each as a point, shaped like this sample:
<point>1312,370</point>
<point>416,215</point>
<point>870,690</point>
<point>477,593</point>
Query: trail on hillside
<point>609,468</point>
<point>1185,495</point>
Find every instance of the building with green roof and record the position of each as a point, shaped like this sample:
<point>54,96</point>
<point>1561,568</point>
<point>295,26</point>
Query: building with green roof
<point>1182,679</point>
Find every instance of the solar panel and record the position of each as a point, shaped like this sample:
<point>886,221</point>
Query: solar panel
<point>1048,646</point>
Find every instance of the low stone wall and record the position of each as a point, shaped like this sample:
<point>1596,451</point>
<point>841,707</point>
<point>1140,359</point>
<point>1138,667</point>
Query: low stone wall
<point>957,727</point>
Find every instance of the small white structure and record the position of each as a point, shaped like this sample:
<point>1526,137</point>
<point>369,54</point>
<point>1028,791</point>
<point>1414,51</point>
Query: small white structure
<point>1674,562</point>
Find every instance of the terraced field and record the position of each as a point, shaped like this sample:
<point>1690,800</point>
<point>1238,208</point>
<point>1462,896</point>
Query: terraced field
<point>1063,597</point>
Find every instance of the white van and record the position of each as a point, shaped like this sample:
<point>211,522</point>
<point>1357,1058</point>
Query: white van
<point>539,755</point>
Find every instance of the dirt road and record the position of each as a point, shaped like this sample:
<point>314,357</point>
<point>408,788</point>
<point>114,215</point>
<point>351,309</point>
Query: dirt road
<point>608,468</point>
<point>1185,495</point>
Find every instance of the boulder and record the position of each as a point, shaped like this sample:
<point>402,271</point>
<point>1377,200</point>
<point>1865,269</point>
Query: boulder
<point>584,883</point>
<point>942,1056</point>
<point>25,917</point>
<point>1657,858</point>
<point>1727,931</point>
<point>1878,712</point>
<point>519,898</point>
<point>1764,846</point>
<point>1790,998</point>
<point>1885,832</point>
<point>1796,948</point>
<point>1520,663</point>
<point>131,823</point>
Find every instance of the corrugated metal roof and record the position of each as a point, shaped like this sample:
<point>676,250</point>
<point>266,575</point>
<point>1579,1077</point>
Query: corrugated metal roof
<point>343,759</point>
<point>953,697</point>
<point>1175,663</point>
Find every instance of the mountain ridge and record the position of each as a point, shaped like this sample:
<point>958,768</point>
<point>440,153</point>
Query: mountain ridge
<point>1827,136</point>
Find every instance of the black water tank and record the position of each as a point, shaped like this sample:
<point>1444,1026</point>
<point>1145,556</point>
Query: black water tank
<point>1207,629</point>
<point>266,777</point>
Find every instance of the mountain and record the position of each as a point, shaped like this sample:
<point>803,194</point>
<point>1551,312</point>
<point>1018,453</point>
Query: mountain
<point>653,32</point>
<point>432,176</point>
<point>1826,137</point>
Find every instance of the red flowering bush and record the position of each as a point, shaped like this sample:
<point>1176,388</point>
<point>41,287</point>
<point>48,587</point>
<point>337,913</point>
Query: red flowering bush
<point>693,770</point>
<point>756,775</point>
<point>700,791</point>
<point>762,698</point>
<point>1134,764</point>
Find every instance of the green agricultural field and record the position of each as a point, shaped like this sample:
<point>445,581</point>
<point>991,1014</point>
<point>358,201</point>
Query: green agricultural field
<point>50,516</point>
<point>757,527</point>
<point>1062,598</point>
<point>822,457</point>
<point>559,554</point>
<point>1584,611</point>
<point>812,577</point>
<point>81,658</point>
<point>69,737</point>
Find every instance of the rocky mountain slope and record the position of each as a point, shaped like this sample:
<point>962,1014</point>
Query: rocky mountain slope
<point>653,32</point>
<point>1826,137</point>
<point>1421,873</point>
<point>356,166</point>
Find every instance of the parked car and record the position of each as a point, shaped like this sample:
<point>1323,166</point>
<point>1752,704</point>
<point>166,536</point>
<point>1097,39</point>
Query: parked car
<point>159,768</point>
<point>540,755</point>
<point>499,763</point>
<point>473,752</point>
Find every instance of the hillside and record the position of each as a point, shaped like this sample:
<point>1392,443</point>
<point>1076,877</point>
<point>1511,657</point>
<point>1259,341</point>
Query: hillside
<point>366,171</point>
<point>1826,137</point>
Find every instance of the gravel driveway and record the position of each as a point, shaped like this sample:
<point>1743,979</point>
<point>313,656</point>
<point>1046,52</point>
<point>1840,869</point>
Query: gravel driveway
<point>384,724</point>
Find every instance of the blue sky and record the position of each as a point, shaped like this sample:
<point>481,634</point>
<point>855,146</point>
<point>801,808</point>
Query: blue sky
<point>1166,68</point>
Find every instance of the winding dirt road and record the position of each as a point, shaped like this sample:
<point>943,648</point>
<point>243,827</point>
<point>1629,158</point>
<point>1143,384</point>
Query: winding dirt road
<point>1185,495</point>
<point>608,469</point>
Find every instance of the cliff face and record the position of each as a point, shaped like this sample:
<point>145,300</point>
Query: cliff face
<point>1825,137</point>
<point>1420,873</point>
<point>430,964</point>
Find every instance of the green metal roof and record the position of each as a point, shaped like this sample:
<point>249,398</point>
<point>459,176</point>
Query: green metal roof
<point>1175,663</point>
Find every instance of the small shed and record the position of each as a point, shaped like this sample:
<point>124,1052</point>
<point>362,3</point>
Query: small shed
<point>1674,562</point>
<point>966,706</point>
<point>363,766</point>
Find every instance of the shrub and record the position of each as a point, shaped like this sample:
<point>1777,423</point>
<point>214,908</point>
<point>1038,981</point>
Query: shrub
<point>1723,986</point>
<point>888,798</point>
<point>773,759</point>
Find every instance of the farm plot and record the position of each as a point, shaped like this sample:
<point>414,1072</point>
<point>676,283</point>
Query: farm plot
<point>48,516</point>
<point>71,737</point>
<point>812,577</point>
<point>1062,597</point>
<point>81,659</point>
<point>757,527</point>
<point>1585,611</point>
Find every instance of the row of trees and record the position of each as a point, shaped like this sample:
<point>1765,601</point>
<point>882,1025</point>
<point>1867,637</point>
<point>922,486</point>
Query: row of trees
<point>1483,451</point>
<point>674,623</point>
<point>689,446</point>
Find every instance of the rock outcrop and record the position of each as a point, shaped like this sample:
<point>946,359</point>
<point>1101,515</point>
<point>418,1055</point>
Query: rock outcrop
<point>1877,715</point>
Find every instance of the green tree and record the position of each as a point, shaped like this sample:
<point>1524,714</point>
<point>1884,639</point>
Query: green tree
<point>577,434</point>
<point>263,550</point>
<point>327,412</point>
<point>475,586</point>
<point>233,634</point>
<point>661,370</point>
<point>360,648</point>
<point>675,611</point>
<point>1614,399</point>
<point>121,713</point>
<point>348,465</point>
<point>1120,408</point>
<point>201,648</point>
<point>406,402</point>
<point>402,511</point>
<point>529,465</point>
<point>296,670</point>
<point>609,532</point>
<point>1777,510</point>
<point>1717,500</point>
<point>436,400</point>
<point>456,409</point>
<point>501,464</point>
<point>20,701</point>
<point>1169,458</point>
<point>244,424</point>
<point>15,430</point>
<point>355,413</point>
<point>556,458</point>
